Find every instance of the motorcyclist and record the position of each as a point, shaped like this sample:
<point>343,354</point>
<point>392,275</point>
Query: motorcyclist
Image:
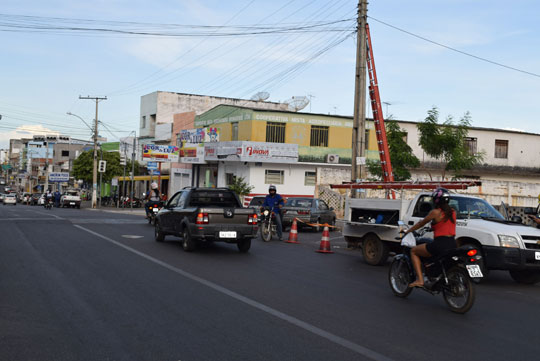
<point>443,222</point>
<point>48,197</point>
<point>151,197</point>
<point>274,201</point>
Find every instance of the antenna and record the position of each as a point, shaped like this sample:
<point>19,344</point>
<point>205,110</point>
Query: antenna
<point>260,96</point>
<point>297,103</point>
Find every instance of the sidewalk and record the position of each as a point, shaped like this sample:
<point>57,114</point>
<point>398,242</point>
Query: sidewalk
<point>135,211</point>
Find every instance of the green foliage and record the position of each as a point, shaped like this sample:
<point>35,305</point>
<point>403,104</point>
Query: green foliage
<point>446,142</point>
<point>83,166</point>
<point>240,186</point>
<point>401,154</point>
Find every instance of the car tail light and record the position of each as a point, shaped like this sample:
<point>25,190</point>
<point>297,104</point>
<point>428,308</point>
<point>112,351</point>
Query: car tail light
<point>252,219</point>
<point>303,212</point>
<point>472,252</point>
<point>202,218</point>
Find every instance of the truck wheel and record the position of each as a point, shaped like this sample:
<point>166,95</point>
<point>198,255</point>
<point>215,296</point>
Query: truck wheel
<point>158,234</point>
<point>374,250</point>
<point>243,246</point>
<point>527,277</point>
<point>187,242</point>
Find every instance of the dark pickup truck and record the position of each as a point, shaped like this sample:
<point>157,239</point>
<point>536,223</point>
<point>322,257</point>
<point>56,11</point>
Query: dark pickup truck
<point>205,215</point>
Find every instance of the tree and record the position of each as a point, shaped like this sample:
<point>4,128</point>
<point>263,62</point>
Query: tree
<point>446,142</point>
<point>83,166</point>
<point>401,154</point>
<point>240,186</point>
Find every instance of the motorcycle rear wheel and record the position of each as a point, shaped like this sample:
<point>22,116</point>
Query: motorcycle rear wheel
<point>399,277</point>
<point>459,294</point>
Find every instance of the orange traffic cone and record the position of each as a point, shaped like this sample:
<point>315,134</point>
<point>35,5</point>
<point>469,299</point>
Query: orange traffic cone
<point>293,234</point>
<point>325,242</point>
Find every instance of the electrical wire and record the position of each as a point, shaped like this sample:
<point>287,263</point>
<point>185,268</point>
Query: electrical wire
<point>454,49</point>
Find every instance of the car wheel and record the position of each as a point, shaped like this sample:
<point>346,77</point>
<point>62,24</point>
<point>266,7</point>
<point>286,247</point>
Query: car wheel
<point>243,246</point>
<point>187,242</point>
<point>159,236</point>
<point>374,250</point>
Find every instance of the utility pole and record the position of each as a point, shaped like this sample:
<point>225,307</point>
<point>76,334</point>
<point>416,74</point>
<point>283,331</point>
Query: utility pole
<point>133,168</point>
<point>358,170</point>
<point>94,174</point>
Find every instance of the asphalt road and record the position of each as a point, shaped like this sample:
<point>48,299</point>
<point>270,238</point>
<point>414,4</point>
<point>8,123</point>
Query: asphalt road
<point>93,285</point>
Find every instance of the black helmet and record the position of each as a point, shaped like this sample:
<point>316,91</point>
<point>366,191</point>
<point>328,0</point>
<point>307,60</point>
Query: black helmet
<point>272,188</point>
<point>440,194</point>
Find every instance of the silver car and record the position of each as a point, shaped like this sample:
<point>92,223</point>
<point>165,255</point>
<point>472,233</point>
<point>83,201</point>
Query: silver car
<point>309,212</point>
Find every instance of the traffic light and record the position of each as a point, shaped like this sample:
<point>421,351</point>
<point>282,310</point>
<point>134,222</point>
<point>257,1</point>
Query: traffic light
<point>102,166</point>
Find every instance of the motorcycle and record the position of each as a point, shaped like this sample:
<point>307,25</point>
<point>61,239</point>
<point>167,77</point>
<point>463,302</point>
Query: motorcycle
<point>268,225</point>
<point>153,209</point>
<point>48,203</point>
<point>450,273</point>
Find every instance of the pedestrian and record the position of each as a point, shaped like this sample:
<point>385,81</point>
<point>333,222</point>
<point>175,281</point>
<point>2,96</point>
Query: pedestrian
<point>57,196</point>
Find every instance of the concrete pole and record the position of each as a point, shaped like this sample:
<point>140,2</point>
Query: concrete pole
<point>133,169</point>
<point>358,171</point>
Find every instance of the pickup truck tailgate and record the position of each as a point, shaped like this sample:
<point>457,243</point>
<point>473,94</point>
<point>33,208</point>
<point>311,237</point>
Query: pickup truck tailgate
<point>228,216</point>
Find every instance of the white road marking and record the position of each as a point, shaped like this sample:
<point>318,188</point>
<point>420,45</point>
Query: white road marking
<point>364,351</point>
<point>132,236</point>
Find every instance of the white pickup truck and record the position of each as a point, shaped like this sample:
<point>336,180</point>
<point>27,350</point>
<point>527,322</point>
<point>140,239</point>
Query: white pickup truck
<point>504,245</point>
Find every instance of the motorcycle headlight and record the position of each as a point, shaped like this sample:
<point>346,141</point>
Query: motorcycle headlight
<point>508,241</point>
<point>266,212</point>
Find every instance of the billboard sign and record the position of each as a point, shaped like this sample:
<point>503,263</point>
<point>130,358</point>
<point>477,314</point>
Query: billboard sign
<point>59,177</point>
<point>160,153</point>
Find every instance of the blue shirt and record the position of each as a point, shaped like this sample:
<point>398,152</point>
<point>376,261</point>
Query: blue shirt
<point>273,202</point>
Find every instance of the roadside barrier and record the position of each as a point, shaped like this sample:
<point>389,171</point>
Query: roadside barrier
<point>316,224</point>
<point>325,242</point>
<point>293,234</point>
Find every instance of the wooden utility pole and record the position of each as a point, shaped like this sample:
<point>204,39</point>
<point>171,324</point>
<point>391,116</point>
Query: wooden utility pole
<point>358,171</point>
<point>94,174</point>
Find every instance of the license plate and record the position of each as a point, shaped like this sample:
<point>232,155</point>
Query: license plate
<point>537,256</point>
<point>155,210</point>
<point>71,203</point>
<point>474,271</point>
<point>227,234</point>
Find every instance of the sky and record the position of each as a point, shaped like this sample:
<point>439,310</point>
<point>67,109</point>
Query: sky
<point>488,64</point>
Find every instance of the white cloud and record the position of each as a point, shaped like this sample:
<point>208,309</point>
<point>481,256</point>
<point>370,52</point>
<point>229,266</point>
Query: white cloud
<point>24,131</point>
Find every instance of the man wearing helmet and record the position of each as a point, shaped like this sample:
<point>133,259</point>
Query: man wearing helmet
<point>274,201</point>
<point>443,222</point>
<point>152,196</point>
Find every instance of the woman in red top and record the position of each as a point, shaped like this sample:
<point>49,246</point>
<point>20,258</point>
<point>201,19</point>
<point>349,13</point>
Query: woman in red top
<point>443,219</point>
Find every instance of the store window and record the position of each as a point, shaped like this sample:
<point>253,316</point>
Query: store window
<point>319,136</point>
<point>275,132</point>
<point>273,176</point>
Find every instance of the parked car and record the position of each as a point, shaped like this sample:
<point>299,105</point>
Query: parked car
<point>10,199</point>
<point>34,199</point>
<point>206,215</point>
<point>256,202</point>
<point>70,198</point>
<point>309,210</point>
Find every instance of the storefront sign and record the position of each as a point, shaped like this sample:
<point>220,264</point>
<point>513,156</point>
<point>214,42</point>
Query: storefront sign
<point>192,155</point>
<point>252,152</point>
<point>160,153</point>
<point>58,177</point>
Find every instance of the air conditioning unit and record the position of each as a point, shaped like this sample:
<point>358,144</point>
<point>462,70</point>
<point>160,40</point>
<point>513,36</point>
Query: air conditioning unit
<point>332,158</point>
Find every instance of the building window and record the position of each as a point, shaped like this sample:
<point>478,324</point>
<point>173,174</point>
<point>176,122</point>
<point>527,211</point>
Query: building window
<point>310,178</point>
<point>65,153</point>
<point>273,176</point>
<point>319,136</point>
<point>275,132</point>
<point>143,122</point>
<point>234,131</point>
<point>501,148</point>
<point>470,145</point>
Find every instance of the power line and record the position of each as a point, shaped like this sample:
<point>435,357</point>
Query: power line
<point>455,50</point>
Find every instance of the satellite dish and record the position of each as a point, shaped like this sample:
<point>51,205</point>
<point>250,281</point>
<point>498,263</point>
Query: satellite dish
<point>297,103</point>
<point>260,96</point>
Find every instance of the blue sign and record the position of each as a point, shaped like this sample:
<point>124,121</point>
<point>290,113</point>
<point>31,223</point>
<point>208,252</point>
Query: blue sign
<point>153,172</point>
<point>152,165</point>
<point>59,177</point>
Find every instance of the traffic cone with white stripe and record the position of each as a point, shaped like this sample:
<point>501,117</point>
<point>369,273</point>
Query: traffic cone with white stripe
<point>325,242</point>
<point>293,234</point>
